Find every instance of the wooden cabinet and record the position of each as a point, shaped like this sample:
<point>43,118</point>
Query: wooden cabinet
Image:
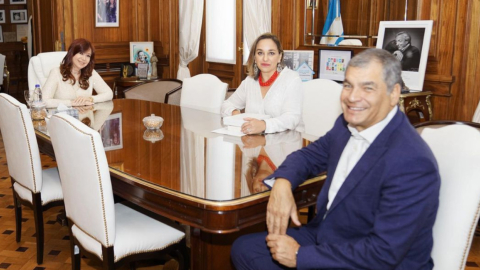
<point>17,62</point>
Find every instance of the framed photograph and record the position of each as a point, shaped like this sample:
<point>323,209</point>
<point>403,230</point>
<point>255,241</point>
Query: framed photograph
<point>1,34</point>
<point>2,2</point>
<point>17,2</point>
<point>18,16</point>
<point>140,53</point>
<point>409,42</point>
<point>111,132</point>
<point>2,16</point>
<point>107,13</point>
<point>333,63</point>
<point>300,61</point>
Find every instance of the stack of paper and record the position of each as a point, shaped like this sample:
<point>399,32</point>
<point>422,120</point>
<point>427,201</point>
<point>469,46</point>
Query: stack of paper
<point>233,124</point>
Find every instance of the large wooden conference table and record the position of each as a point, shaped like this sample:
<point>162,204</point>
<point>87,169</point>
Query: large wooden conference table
<point>191,175</point>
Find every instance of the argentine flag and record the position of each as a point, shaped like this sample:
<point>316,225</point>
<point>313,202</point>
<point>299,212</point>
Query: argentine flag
<point>333,24</point>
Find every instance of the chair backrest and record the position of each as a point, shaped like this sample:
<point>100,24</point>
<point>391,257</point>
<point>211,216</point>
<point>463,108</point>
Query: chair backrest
<point>174,97</point>
<point>86,184</point>
<point>203,92</point>
<point>457,150</point>
<point>476,116</point>
<point>321,105</point>
<point>157,91</point>
<point>21,146</point>
<point>40,66</point>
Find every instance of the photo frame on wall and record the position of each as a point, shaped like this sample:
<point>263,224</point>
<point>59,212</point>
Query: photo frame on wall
<point>300,61</point>
<point>140,53</point>
<point>333,63</point>
<point>111,132</point>
<point>1,34</point>
<point>18,16</point>
<point>16,2</point>
<point>409,42</point>
<point>2,16</point>
<point>2,2</point>
<point>107,13</point>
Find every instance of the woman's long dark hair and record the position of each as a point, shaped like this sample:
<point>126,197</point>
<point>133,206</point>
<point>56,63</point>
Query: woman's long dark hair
<point>80,45</point>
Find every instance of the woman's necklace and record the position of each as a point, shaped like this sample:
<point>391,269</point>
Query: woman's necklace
<point>269,81</point>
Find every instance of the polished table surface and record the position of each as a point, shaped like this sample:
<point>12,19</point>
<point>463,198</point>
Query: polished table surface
<point>190,174</point>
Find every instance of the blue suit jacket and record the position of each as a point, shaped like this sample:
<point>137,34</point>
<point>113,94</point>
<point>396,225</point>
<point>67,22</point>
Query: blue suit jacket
<point>382,216</point>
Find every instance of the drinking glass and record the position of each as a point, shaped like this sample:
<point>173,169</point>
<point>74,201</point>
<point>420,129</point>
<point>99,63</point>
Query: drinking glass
<point>28,98</point>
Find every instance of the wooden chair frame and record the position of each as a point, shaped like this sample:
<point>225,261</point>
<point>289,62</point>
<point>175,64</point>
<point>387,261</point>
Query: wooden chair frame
<point>167,95</point>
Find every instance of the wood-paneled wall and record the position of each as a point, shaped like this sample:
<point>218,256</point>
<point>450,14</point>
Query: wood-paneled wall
<point>452,70</point>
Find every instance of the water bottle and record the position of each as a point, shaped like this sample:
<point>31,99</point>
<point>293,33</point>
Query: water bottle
<point>37,94</point>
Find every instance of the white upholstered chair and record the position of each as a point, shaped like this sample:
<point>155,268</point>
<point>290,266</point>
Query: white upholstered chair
<point>476,116</point>
<point>203,92</point>
<point>158,91</point>
<point>456,147</point>
<point>32,187</point>
<point>40,65</point>
<point>321,107</point>
<point>113,233</point>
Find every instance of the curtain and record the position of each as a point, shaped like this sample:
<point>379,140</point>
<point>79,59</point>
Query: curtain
<point>190,20</point>
<point>256,21</point>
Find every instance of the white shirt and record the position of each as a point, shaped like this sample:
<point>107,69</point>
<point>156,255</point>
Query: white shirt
<point>353,152</point>
<point>283,101</point>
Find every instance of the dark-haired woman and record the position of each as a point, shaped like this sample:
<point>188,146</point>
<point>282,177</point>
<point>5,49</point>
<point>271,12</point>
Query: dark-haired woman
<point>270,89</point>
<point>73,82</point>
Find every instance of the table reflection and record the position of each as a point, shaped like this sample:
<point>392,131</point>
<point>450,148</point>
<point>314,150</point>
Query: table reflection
<point>189,159</point>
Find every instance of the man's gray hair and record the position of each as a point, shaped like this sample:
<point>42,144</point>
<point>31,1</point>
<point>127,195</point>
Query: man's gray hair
<point>405,35</point>
<point>392,68</point>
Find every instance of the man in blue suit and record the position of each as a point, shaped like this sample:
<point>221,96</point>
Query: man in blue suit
<point>378,205</point>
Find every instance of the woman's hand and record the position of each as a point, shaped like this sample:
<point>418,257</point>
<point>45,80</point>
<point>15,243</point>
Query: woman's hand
<point>253,141</point>
<point>84,109</point>
<point>82,101</point>
<point>235,112</point>
<point>253,126</point>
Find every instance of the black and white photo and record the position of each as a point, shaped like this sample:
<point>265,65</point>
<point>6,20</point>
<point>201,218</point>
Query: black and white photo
<point>409,42</point>
<point>2,16</point>
<point>16,2</point>
<point>18,16</point>
<point>1,34</point>
<point>107,13</point>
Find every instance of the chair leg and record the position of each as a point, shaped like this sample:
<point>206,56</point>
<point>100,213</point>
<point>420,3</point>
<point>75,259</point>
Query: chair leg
<point>132,266</point>
<point>108,260</point>
<point>183,255</point>
<point>38,214</point>
<point>74,253</point>
<point>18,218</point>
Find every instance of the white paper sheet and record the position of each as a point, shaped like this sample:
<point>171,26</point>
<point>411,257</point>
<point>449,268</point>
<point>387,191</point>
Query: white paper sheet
<point>228,132</point>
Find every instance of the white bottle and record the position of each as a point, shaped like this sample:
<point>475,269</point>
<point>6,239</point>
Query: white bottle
<point>37,94</point>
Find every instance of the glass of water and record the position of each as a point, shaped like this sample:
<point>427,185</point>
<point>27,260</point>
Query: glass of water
<point>28,98</point>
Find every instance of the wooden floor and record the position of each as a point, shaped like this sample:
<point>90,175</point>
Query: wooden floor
<point>22,255</point>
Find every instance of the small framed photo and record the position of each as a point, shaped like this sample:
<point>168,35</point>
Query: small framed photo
<point>107,13</point>
<point>18,16</point>
<point>2,2</point>
<point>333,63</point>
<point>1,34</point>
<point>16,2</point>
<point>409,42</point>
<point>140,53</point>
<point>2,16</point>
<point>111,132</point>
<point>300,61</point>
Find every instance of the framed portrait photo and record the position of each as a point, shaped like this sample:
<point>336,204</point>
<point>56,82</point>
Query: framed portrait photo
<point>140,53</point>
<point>409,42</point>
<point>333,63</point>
<point>16,2</point>
<point>1,34</point>
<point>2,2</point>
<point>107,13</point>
<point>111,132</point>
<point>18,16</point>
<point>2,16</point>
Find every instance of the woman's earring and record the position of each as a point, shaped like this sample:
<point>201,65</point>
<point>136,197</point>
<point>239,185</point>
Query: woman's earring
<point>279,68</point>
<point>255,68</point>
